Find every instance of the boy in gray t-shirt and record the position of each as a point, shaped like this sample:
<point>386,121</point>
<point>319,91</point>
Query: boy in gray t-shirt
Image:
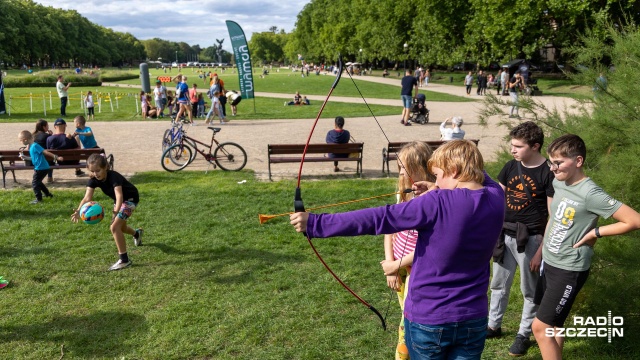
<point>569,238</point>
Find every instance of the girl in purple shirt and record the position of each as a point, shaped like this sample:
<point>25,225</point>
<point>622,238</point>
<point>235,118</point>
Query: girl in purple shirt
<point>458,224</point>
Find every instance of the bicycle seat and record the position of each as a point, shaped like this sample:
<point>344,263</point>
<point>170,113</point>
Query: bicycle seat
<point>215,129</point>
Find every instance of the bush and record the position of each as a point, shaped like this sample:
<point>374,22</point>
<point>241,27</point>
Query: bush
<point>48,78</point>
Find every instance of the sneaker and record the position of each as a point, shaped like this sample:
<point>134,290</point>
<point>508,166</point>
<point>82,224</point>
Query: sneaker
<point>223,122</point>
<point>49,179</point>
<point>402,121</point>
<point>137,237</point>
<point>407,124</point>
<point>35,202</point>
<point>49,195</point>
<point>520,346</point>
<point>80,173</point>
<point>494,333</point>
<point>119,265</point>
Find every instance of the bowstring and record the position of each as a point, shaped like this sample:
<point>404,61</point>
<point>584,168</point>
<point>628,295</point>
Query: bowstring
<point>410,179</point>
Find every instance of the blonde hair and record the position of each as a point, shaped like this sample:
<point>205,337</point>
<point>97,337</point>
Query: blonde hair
<point>25,135</point>
<point>461,157</point>
<point>414,156</point>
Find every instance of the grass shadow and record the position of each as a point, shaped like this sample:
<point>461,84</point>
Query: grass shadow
<point>99,334</point>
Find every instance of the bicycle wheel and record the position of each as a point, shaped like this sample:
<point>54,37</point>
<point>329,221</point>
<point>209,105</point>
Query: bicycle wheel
<point>230,156</point>
<point>166,139</point>
<point>193,146</point>
<point>176,157</point>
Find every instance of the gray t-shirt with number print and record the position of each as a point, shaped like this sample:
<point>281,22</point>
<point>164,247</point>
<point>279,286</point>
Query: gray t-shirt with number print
<point>574,212</point>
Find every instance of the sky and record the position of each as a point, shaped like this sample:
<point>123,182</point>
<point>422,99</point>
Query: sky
<point>194,22</point>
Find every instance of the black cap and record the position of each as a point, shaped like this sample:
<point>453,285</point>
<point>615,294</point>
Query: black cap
<point>59,121</point>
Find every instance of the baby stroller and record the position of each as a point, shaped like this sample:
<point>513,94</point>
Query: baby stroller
<point>419,111</point>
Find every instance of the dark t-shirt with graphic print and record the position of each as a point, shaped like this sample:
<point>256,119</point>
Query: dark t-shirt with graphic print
<point>539,181</point>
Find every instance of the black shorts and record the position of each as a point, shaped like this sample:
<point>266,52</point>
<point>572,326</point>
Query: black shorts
<point>90,110</point>
<point>556,291</point>
<point>236,101</point>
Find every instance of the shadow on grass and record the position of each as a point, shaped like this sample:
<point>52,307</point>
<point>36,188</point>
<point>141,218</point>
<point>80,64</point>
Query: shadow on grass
<point>612,286</point>
<point>224,262</point>
<point>100,334</point>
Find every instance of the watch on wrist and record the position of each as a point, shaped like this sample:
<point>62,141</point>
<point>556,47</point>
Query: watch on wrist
<point>597,231</point>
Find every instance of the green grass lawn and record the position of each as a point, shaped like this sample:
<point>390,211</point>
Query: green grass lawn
<point>211,283</point>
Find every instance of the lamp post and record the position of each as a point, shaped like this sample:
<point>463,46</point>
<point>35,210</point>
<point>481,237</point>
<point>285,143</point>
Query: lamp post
<point>406,48</point>
<point>176,56</point>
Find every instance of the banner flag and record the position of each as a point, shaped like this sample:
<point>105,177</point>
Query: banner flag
<point>243,59</point>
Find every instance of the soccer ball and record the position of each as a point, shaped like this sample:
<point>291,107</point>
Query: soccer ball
<point>91,213</point>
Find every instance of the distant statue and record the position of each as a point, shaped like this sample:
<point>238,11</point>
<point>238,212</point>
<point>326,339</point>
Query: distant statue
<point>219,49</point>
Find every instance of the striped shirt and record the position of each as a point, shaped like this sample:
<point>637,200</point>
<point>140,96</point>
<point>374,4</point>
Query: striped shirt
<point>404,242</point>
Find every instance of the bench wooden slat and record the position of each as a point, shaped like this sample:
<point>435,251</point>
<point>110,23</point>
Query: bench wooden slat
<point>298,149</point>
<point>10,160</point>
<point>390,152</point>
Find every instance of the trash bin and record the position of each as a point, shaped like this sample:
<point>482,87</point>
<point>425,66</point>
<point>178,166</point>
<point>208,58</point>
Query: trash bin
<point>451,79</point>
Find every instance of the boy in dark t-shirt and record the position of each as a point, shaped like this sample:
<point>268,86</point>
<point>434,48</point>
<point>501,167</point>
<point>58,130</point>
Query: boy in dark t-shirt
<point>338,136</point>
<point>527,182</point>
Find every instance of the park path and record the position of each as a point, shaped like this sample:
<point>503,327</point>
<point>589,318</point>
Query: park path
<point>136,145</point>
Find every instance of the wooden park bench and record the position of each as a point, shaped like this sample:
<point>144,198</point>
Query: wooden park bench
<point>292,153</point>
<point>10,160</point>
<point>391,151</point>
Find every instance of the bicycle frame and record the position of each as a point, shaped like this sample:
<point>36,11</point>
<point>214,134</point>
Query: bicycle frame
<point>207,156</point>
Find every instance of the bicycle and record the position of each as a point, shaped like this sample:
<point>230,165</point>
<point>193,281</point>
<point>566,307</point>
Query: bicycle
<point>174,135</point>
<point>228,156</point>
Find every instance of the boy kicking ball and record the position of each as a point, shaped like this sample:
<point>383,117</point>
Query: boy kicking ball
<point>126,199</point>
<point>571,233</point>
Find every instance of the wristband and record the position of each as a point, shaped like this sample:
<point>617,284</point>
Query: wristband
<point>597,231</point>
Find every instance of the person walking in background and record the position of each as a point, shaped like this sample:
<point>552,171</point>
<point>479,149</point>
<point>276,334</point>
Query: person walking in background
<point>504,77</point>
<point>528,185</point>
<point>408,83</point>
<point>399,247</point>
<point>468,82</point>
<point>481,81</point>
<point>338,136</point>
<point>515,84</point>
<point>90,105</point>
<point>63,95</point>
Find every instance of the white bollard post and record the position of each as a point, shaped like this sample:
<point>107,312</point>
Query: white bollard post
<point>50,101</point>
<point>31,101</point>
<point>117,102</point>
<point>111,102</point>
<point>44,105</point>
<point>135,100</point>
<point>9,108</point>
<point>99,103</point>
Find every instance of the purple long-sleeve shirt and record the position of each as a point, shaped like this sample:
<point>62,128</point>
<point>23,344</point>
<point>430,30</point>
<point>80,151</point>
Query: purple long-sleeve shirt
<point>457,231</point>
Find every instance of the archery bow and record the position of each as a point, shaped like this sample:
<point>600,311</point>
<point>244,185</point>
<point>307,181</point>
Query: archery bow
<point>298,204</point>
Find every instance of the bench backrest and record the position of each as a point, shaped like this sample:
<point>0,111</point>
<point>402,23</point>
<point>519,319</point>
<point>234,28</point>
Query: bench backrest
<point>73,154</point>
<point>394,147</point>
<point>281,149</point>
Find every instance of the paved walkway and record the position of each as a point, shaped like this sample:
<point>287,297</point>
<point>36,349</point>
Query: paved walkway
<point>136,145</point>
